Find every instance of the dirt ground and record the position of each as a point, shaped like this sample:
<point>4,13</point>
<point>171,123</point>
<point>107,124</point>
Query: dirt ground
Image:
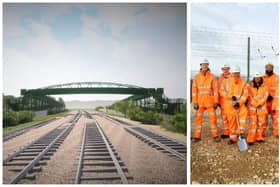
<point>220,163</point>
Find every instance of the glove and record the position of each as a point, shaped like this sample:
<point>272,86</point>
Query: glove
<point>216,105</point>
<point>259,107</point>
<point>269,98</point>
<point>236,106</point>
<point>234,98</point>
<point>195,106</point>
<point>242,136</point>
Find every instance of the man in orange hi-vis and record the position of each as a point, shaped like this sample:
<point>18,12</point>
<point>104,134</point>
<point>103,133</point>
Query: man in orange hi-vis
<point>223,85</point>
<point>256,109</point>
<point>236,98</point>
<point>271,81</point>
<point>275,112</point>
<point>205,97</point>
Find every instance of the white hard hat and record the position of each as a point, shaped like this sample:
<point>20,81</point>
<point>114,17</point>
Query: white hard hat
<point>225,66</point>
<point>205,61</point>
<point>235,69</point>
<point>257,75</point>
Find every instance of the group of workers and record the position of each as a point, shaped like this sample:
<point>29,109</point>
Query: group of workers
<point>244,107</point>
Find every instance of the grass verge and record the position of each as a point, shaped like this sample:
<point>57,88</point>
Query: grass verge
<point>44,118</point>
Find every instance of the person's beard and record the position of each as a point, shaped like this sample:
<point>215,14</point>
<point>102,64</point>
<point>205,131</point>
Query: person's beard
<point>257,84</point>
<point>269,72</point>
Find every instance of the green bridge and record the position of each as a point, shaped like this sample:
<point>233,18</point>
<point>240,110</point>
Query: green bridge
<point>141,96</point>
<point>96,88</point>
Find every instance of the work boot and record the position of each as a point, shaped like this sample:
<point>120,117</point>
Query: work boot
<point>217,139</point>
<point>260,141</point>
<point>230,142</point>
<point>196,139</point>
<point>224,136</point>
<point>251,143</point>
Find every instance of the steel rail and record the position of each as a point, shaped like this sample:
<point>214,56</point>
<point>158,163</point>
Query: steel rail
<point>112,155</point>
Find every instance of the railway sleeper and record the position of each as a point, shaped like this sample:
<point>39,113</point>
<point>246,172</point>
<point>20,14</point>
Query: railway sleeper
<point>34,169</point>
<point>112,169</point>
<point>97,150</point>
<point>105,158</point>
<point>105,178</point>
<point>108,163</point>
<point>99,154</point>
<point>28,158</point>
<point>30,176</point>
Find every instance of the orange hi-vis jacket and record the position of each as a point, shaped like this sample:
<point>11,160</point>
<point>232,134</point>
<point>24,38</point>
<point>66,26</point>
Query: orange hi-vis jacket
<point>271,83</point>
<point>275,103</point>
<point>205,89</point>
<point>238,88</point>
<point>256,112</point>
<point>257,98</point>
<point>223,85</point>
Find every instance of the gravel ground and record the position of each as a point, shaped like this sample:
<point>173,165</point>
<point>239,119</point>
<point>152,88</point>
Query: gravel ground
<point>146,164</point>
<point>62,167</point>
<point>178,136</point>
<point>14,144</point>
<point>219,163</point>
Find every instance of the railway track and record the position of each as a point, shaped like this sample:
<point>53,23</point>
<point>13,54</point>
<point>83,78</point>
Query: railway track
<point>87,114</point>
<point>99,161</point>
<point>160,142</point>
<point>28,160</point>
<point>23,130</point>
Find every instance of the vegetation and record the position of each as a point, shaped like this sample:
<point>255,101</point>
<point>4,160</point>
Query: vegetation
<point>175,123</point>
<point>98,108</point>
<point>33,103</point>
<point>44,118</point>
<point>133,112</point>
<point>11,117</point>
<point>18,110</point>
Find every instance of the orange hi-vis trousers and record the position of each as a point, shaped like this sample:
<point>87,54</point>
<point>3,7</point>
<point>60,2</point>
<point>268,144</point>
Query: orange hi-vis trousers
<point>275,123</point>
<point>232,116</point>
<point>212,119</point>
<point>274,117</point>
<point>256,124</point>
<point>224,121</point>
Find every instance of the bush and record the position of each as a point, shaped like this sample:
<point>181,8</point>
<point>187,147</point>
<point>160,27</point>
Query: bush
<point>25,116</point>
<point>55,110</point>
<point>98,108</point>
<point>178,121</point>
<point>11,117</point>
<point>136,113</point>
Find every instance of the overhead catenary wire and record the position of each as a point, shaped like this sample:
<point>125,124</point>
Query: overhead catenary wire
<point>219,43</point>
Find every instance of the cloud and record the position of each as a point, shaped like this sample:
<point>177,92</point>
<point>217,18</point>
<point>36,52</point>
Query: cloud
<point>96,55</point>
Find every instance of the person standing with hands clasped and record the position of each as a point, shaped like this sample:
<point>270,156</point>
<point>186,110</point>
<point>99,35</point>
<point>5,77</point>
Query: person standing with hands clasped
<point>256,109</point>
<point>205,97</point>
<point>236,98</point>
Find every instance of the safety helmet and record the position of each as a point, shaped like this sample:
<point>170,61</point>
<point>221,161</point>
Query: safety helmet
<point>235,69</point>
<point>205,61</point>
<point>225,66</point>
<point>257,75</point>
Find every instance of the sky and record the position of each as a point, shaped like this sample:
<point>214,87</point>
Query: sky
<point>138,44</point>
<point>220,31</point>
